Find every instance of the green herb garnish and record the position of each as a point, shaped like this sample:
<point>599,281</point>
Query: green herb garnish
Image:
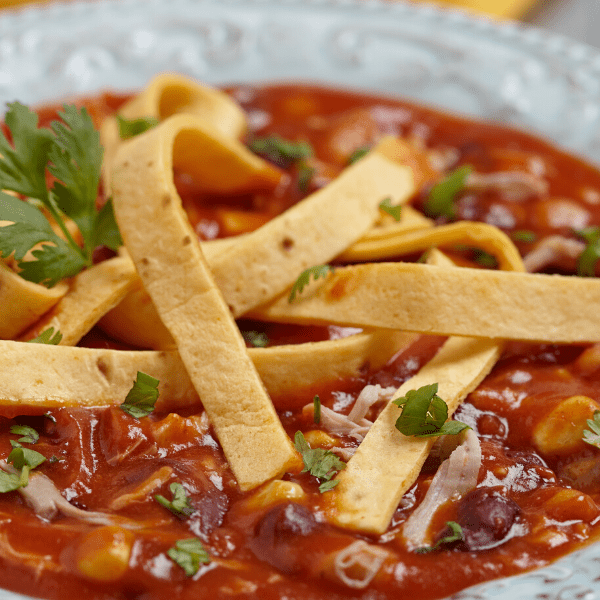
<point>180,504</point>
<point>25,460</point>
<point>317,409</point>
<point>455,536</point>
<point>485,259</point>
<point>129,128</point>
<point>257,339</point>
<point>280,151</point>
<point>322,464</point>
<point>304,279</point>
<point>440,202</point>
<point>142,397</point>
<point>593,437</point>
<point>394,211</point>
<point>71,152</point>
<point>358,154</point>
<point>524,235</point>
<point>424,414</point>
<point>30,435</point>
<point>305,175</point>
<point>48,336</point>
<point>586,263</point>
<point>189,554</point>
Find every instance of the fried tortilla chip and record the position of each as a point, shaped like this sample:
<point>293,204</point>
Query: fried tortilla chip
<point>23,302</point>
<point>92,293</point>
<point>466,301</point>
<point>167,255</point>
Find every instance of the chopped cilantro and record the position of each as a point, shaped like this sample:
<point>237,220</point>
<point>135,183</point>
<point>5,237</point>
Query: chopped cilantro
<point>129,128</point>
<point>455,536</point>
<point>30,435</point>
<point>9,482</point>
<point>394,211</point>
<point>485,259</point>
<point>322,464</point>
<point>305,175</point>
<point>189,554</point>
<point>592,435</point>
<point>304,279</point>
<point>586,263</point>
<point>48,336</point>
<point>524,235</point>
<point>317,409</point>
<point>358,154</point>
<point>180,504</point>
<point>71,152</point>
<point>440,202</point>
<point>424,414</point>
<point>25,460</point>
<point>257,339</point>
<point>282,152</point>
<point>142,397</point>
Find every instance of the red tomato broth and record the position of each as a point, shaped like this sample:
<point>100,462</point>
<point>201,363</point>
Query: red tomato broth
<point>103,453</point>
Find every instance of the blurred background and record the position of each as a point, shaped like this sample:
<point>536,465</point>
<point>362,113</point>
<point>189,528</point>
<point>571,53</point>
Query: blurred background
<point>578,19</point>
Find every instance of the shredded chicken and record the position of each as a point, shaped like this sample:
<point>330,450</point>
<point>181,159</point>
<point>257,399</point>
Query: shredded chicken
<point>357,564</point>
<point>513,185</point>
<point>553,251</point>
<point>456,476</point>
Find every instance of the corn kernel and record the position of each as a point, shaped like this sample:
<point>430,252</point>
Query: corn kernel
<point>103,554</point>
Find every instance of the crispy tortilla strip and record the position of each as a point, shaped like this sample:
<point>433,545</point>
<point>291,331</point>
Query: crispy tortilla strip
<point>38,376</point>
<point>314,231</point>
<point>478,235</point>
<point>170,94</point>
<point>387,227</point>
<point>92,293</point>
<point>434,300</point>
<point>23,302</point>
<point>387,463</point>
<point>169,260</point>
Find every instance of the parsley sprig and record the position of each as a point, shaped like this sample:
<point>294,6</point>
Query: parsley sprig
<point>322,464</point>
<point>303,280</point>
<point>142,397</point>
<point>71,152</point>
<point>180,504</point>
<point>425,414</point>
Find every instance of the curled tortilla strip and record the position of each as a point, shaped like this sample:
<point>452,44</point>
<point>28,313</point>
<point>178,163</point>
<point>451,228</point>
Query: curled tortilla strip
<point>168,94</point>
<point>23,302</point>
<point>479,235</point>
<point>387,227</point>
<point>168,258</point>
<point>434,300</point>
<point>92,293</point>
<point>55,376</point>
<point>387,463</point>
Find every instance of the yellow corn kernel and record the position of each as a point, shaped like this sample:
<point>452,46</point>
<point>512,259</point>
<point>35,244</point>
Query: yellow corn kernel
<point>320,439</point>
<point>275,492</point>
<point>561,431</point>
<point>103,554</point>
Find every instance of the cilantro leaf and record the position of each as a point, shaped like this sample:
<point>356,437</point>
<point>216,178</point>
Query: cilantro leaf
<point>9,482</point>
<point>257,339</point>
<point>24,457</point>
<point>142,397</point>
<point>358,154</point>
<point>48,336</point>
<point>455,536</point>
<point>592,435</point>
<point>328,485</point>
<point>424,414</point>
<point>107,231</point>
<point>30,435</point>
<point>322,464</point>
<point>189,554</point>
<point>440,202</point>
<point>586,263</point>
<point>305,175</point>
<point>304,279</point>
<point>394,211</point>
<point>280,151</point>
<point>129,128</point>
<point>180,505</point>
<point>317,409</point>
<point>524,235</point>
<point>485,259</point>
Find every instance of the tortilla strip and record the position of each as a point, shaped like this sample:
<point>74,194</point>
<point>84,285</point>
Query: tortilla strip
<point>387,463</point>
<point>434,300</point>
<point>23,302</point>
<point>169,94</point>
<point>54,376</point>
<point>479,235</point>
<point>168,258</point>
<point>387,227</point>
<point>92,293</point>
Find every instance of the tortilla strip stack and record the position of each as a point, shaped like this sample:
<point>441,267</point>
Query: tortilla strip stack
<point>466,301</point>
